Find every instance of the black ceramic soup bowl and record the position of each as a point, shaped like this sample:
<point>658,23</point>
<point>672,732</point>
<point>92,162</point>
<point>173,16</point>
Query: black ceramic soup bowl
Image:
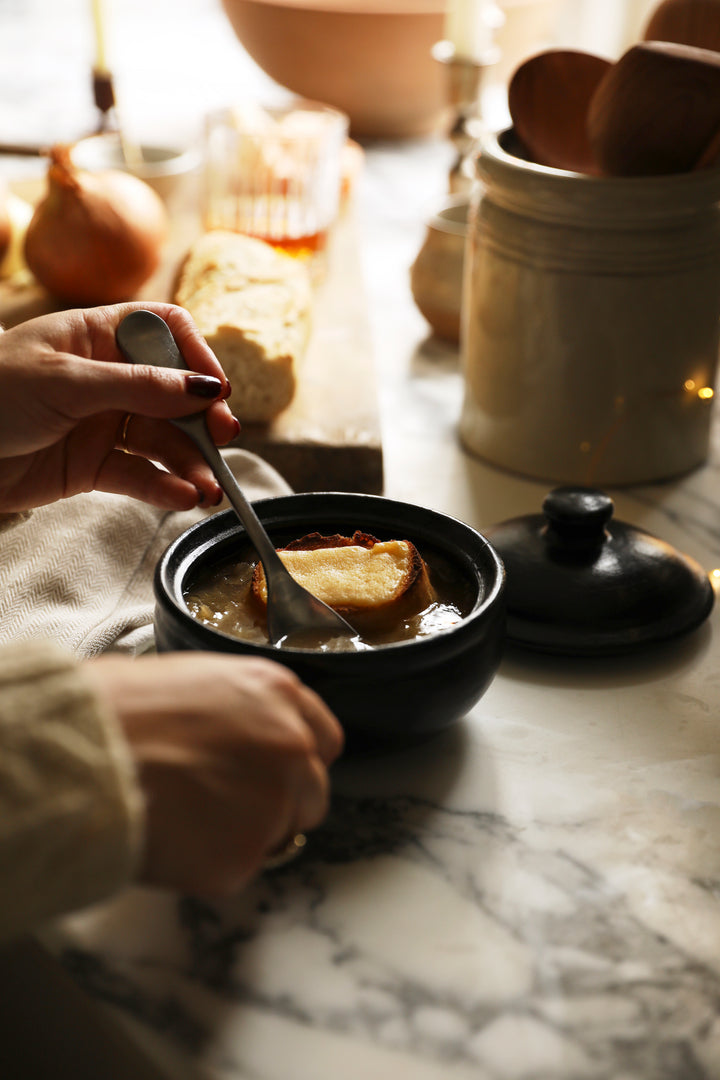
<point>397,692</point>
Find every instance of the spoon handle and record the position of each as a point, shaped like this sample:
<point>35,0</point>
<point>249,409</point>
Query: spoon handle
<point>145,338</point>
<point>196,427</point>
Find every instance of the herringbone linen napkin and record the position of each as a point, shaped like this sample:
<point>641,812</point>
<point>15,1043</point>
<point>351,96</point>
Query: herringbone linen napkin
<point>80,571</point>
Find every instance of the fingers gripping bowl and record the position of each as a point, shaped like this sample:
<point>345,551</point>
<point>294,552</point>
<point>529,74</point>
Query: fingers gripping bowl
<point>394,692</point>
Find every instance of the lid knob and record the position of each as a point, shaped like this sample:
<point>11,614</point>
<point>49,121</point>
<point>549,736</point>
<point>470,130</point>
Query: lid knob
<point>576,518</point>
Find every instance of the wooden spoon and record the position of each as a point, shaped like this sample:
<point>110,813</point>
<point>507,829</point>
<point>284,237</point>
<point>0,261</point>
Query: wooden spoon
<point>711,153</point>
<point>548,97</point>
<point>656,111</point>
<point>689,22</point>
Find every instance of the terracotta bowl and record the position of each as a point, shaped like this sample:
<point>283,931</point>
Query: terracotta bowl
<point>370,58</point>
<point>392,694</point>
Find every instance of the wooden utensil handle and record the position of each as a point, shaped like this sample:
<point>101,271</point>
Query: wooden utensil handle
<point>24,150</point>
<point>710,153</point>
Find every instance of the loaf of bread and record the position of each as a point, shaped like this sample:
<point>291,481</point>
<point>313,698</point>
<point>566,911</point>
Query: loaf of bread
<point>253,305</point>
<point>370,581</point>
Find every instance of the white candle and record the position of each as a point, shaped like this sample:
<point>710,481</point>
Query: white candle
<point>468,28</point>
<point>99,21</point>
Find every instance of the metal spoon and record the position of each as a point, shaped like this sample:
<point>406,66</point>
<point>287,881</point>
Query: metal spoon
<point>293,613</point>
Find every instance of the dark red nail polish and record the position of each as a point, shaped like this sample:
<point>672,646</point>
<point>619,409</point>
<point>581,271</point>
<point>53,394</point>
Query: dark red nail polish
<point>228,391</point>
<point>204,386</point>
<point>201,496</point>
<point>237,427</point>
<point>219,497</point>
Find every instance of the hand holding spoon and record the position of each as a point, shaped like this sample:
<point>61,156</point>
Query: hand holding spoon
<point>293,613</point>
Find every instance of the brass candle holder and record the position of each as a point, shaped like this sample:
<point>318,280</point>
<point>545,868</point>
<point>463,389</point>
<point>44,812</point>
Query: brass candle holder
<point>464,77</point>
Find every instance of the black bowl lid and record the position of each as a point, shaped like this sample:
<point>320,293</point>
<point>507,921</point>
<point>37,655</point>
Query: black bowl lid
<point>581,583</point>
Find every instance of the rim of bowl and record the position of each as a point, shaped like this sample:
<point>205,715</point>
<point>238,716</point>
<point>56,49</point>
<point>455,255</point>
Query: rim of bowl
<point>452,216</point>
<point>157,160</point>
<point>166,593</point>
<point>228,116</point>
<point>414,8</point>
<point>500,146</point>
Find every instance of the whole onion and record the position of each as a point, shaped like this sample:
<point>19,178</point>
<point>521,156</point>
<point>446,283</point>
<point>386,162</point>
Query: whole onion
<point>19,212</point>
<point>96,237</point>
<point>5,224</point>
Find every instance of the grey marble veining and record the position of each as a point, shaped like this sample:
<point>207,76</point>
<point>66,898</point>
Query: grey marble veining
<point>448,934</point>
<point>507,900</point>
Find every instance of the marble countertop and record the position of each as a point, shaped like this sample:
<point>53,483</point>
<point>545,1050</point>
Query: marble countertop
<point>532,895</point>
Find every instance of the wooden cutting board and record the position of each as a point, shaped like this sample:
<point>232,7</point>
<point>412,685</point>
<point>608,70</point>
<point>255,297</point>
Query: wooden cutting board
<point>329,438</point>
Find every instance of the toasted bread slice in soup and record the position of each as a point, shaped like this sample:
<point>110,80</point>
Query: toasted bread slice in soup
<point>369,581</point>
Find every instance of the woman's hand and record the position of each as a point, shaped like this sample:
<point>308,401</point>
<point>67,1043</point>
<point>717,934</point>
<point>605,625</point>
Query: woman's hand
<point>65,390</point>
<point>232,754</point>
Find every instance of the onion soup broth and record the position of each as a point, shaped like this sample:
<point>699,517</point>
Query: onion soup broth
<point>220,596</point>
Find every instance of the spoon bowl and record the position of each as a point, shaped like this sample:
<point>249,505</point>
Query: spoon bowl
<point>656,111</point>
<point>688,22</point>
<point>293,614</point>
<point>548,98</point>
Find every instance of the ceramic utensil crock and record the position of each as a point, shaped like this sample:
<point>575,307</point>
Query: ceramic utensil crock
<point>591,317</point>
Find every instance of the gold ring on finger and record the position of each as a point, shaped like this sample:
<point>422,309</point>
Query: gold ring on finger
<point>286,853</point>
<point>124,433</point>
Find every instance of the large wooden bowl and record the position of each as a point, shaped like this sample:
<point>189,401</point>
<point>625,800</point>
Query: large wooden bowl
<point>370,58</point>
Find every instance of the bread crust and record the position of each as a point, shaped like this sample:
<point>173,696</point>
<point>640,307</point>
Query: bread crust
<point>413,593</point>
<point>253,306</point>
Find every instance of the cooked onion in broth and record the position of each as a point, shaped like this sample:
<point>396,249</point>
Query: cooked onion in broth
<point>220,596</point>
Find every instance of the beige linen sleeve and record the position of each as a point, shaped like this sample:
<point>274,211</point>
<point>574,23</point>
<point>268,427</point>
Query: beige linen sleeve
<point>71,809</point>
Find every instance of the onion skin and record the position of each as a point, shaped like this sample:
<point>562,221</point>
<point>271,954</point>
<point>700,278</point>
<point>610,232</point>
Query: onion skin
<point>96,237</point>
<point>19,212</point>
<point>5,225</point>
